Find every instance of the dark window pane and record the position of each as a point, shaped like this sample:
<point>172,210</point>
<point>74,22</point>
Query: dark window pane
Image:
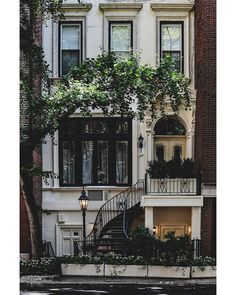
<point>160,153</point>
<point>178,153</point>
<point>176,58</point>
<point>87,162</point>
<point>170,126</point>
<point>102,165</point>
<point>70,58</point>
<point>121,127</point>
<point>95,127</point>
<point>122,162</point>
<point>68,162</point>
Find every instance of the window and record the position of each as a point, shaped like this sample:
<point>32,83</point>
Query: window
<point>70,46</point>
<point>95,151</point>
<point>171,43</point>
<point>120,38</point>
<point>160,152</point>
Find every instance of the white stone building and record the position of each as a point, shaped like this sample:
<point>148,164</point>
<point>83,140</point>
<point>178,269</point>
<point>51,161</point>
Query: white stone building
<point>110,161</point>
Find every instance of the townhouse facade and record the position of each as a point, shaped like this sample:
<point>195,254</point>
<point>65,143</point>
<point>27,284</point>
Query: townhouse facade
<point>108,157</point>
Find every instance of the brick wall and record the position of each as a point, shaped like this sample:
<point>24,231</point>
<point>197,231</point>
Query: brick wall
<point>205,65</point>
<point>208,228</point>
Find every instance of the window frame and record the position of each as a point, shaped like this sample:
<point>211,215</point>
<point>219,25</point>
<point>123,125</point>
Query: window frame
<point>112,137</point>
<point>162,22</point>
<point>117,22</point>
<point>68,23</point>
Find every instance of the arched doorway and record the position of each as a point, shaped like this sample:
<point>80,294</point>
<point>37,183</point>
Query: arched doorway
<point>169,139</point>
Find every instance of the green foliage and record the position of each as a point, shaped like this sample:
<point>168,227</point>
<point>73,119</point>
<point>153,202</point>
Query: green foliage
<point>142,243</point>
<point>174,250</point>
<point>172,169</point>
<point>157,169</point>
<point>204,261</point>
<point>43,266</point>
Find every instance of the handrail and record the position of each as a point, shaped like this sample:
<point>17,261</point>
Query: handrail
<point>132,199</point>
<point>111,209</point>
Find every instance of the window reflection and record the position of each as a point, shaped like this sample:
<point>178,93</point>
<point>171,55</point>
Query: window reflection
<point>122,162</point>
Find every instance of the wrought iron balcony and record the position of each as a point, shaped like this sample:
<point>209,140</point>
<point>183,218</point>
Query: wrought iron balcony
<point>172,186</point>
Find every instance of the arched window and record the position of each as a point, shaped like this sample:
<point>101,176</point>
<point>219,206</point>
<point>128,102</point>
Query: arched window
<point>170,139</point>
<point>169,126</point>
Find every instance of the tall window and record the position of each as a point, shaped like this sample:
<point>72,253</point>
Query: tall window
<point>172,42</point>
<point>120,38</point>
<point>70,46</point>
<point>95,151</point>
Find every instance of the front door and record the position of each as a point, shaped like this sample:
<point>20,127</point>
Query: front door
<point>169,147</point>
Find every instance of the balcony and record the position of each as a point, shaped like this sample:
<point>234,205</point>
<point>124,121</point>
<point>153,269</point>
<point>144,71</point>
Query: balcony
<point>172,186</point>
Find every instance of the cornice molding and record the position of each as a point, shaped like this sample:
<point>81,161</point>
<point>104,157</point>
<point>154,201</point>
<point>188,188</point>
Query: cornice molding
<point>123,6</point>
<point>76,6</point>
<point>171,6</point>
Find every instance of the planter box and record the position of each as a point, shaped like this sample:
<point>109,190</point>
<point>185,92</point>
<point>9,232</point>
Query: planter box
<point>207,272</point>
<point>82,269</point>
<point>156,271</point>
<point>125,270</point>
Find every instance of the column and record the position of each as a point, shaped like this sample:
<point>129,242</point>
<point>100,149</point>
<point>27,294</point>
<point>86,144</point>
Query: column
<point>196,223</point>
<point>149,218</point>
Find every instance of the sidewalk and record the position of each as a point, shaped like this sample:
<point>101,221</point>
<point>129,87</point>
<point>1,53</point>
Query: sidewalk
<point>45,281</point>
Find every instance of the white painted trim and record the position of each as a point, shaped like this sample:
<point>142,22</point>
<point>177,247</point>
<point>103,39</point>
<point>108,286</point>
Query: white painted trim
<point>171,201</point>
<point>120,6</point>
<point>172,6</point>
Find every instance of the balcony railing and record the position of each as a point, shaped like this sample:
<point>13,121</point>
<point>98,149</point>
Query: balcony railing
<point>172,186</point>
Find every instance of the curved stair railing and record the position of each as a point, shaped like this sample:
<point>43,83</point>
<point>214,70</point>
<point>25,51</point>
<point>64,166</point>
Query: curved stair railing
<point>133,198</point>
<point>112,208</point>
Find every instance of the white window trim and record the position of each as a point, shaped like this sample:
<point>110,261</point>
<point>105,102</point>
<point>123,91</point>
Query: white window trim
<point>115,12</point>
<point>59,235</point>
<point>71,15</point>
<point>177,12</point>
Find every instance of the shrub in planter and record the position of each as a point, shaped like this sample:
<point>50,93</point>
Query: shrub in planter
<point>43,266</point>
<point>202,262</point>
<point>173,168</point>
<point>174,250</point>
<point>157,169</point>
<point>189,169</point>
<point>142,243</point>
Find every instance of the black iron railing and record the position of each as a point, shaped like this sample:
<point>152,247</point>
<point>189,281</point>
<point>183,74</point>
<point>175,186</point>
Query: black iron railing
<point>172,186</point>
<point>47,249</point>
<point>112,208</point>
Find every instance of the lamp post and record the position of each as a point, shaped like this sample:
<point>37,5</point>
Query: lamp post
<point>83,201</point>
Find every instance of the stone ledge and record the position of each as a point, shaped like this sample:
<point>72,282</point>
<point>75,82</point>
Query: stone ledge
<point>172,6</point>
<point>123,6</point>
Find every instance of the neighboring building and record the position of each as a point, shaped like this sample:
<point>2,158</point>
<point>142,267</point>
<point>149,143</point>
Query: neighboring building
<point>106,156</point>
<point>25,121</point>
<point>205,134</point>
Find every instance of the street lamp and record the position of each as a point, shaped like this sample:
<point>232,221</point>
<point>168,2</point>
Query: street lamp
<point>83,201</point>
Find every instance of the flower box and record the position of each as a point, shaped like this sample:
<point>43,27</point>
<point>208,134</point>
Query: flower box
<point>157,271</point>
<point>82,269</point>
<point>203,272</point>
<point>125,270</point>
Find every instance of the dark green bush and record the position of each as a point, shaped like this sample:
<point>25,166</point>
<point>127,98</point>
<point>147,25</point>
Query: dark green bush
<point>173,168</point>
<point>142,243</point>
<point>157,169</point>
<point>43,266</point>
<point>189,169</point>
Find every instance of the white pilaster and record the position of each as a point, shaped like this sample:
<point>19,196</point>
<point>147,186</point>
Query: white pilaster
<point>149,217</point>
<point>196,223</point>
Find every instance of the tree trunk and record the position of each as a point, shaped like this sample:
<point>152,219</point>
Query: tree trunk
<point>34,224</point>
